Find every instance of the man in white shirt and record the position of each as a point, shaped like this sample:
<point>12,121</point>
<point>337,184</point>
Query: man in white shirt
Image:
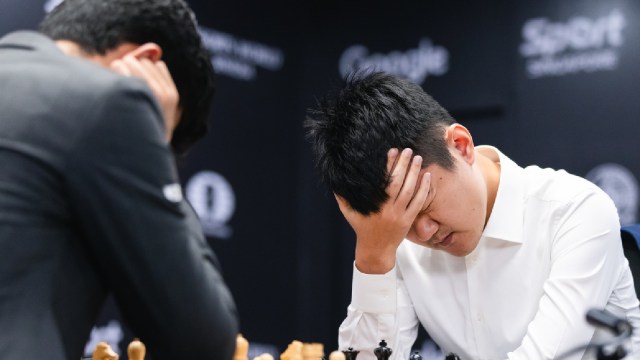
<point>496,261</point>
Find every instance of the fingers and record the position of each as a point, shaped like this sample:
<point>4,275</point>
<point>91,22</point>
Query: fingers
<point>392,157</point>
<point>398,173</point>
<point>165,79</point>
<point>410,183</point>
<point>119,67</point>
<point>148,71</point>
<point>156,75</point>
<point>158,78</point>
<point>417,201</point>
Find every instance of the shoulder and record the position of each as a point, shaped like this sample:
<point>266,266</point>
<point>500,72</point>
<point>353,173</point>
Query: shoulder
<point>96,84</point>
<point>552,185</point>
<point>101,98</point>
<point>33,67</point>
<point>568,201</point>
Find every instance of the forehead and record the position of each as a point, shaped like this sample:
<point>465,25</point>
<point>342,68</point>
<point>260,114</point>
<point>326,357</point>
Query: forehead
<point>438,174</point>
<point>443,185</point>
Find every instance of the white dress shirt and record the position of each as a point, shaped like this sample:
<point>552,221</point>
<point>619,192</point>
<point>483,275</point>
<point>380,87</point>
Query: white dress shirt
<point>550,251</point>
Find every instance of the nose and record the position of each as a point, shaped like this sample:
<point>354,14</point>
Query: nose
<point>425,227</point>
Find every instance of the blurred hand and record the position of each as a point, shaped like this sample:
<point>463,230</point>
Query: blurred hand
<point>157,76</point>
<point>379,235</point>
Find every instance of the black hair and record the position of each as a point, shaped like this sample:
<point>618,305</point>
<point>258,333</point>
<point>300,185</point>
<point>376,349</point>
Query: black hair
<point>352,130</point>
<point>98,26</point>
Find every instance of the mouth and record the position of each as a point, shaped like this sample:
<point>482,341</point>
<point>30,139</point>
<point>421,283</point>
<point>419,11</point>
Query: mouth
<point>445,243</point>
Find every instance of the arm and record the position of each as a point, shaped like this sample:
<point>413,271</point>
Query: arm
<point>140,234</point>
<point>380,307</point>
<point>586,261</point>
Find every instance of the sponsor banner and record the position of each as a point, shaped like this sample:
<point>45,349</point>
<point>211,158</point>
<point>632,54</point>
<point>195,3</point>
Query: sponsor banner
<point>238,58</point>
<point>414,64</point>
<point>578,44</point>
<point>621,185</point>
<point>231,56</point>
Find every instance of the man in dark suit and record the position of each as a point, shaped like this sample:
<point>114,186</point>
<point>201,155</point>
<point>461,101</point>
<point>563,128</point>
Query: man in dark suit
<point>90,202</point>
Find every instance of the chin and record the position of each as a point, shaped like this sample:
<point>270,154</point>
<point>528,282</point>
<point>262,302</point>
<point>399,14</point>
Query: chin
<point>461,248</point>
<point>458,252</point>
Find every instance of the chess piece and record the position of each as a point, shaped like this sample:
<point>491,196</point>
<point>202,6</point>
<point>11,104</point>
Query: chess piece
<point>312,351</point>
<point>136,350</point>
<point>242,348</point>
<point>104,352</point>
<point>293,352</point>
<point>337,355</point>
<point>415,356</point>
<point>350,354</point>
<point>382,352</point>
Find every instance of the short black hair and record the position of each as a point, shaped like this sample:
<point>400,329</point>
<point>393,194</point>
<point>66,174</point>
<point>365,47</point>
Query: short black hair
<point>98,26</point>
<point>352,130</point>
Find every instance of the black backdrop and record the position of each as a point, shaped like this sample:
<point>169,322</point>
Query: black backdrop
<point>551,83</point>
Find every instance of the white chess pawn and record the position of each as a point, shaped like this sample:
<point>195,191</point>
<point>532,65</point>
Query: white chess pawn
<point>337,355</point>
<point>242,348</point>
<point>136,350</point>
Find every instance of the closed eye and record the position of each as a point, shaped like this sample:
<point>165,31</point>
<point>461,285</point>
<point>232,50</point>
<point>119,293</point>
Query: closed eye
<point>430,200</point>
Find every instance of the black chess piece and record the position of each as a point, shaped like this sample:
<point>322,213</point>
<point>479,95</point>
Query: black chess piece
<point>415,356</point>
<point>452,356</point>
<point>382,352</point>
<point>350,354</point>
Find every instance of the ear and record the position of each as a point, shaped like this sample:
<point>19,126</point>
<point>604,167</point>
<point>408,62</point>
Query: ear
<point>151,51</point>
<point>459,139</point>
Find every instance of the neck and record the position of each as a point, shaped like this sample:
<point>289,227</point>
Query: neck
<point>490,167</point>
<point>72,48</point>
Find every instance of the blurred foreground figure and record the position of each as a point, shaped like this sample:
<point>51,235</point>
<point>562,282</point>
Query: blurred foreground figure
<point>90,202</point>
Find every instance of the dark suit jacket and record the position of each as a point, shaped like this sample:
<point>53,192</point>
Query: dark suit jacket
<point>90,205</point>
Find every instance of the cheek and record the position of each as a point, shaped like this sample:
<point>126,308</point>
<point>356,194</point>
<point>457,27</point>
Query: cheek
<point>465,211</point>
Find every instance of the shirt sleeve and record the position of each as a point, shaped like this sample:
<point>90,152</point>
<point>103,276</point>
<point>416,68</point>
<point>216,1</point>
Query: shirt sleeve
<point>587,262</point>
<point>380,309</point>
<point>140,234</point>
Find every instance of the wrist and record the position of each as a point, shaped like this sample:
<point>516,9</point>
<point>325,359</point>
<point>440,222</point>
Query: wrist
<point>375,263</point>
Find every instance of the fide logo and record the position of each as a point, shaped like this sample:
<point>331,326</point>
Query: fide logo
<point>214,201</point>
<point>621,185</point>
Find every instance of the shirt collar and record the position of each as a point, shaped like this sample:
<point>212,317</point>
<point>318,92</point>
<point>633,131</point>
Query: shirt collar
<point>505,221</point>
